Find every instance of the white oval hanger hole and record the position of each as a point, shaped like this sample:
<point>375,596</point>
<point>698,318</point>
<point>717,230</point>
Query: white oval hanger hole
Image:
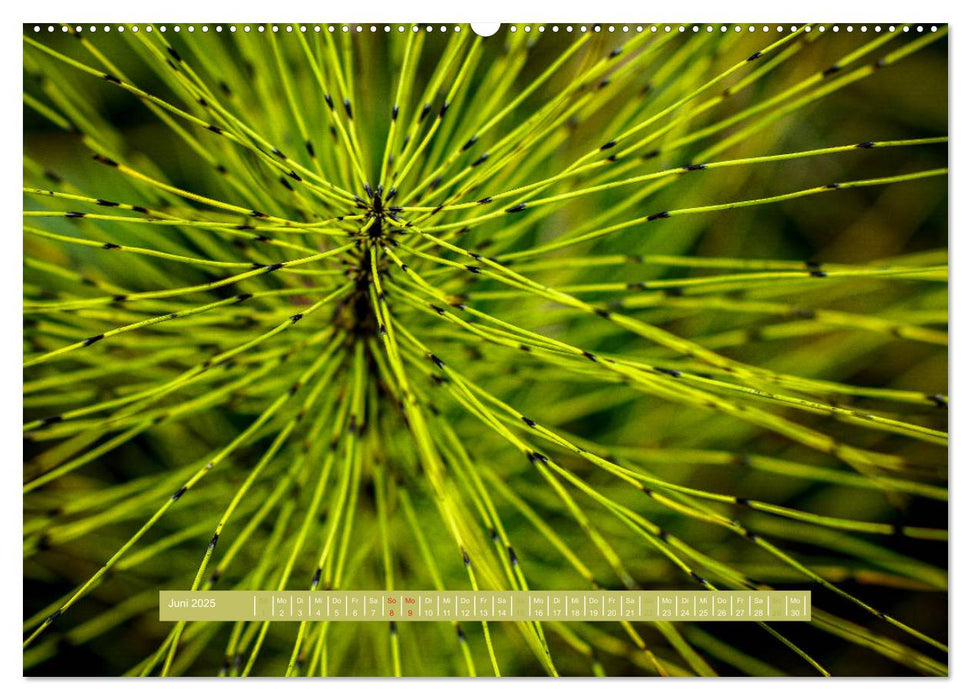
<point>485,28</point>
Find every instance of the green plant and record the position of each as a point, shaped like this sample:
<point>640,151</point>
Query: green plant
<point>421,309</point>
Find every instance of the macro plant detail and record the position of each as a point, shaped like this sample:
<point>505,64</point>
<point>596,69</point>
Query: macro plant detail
<point>332,309</point>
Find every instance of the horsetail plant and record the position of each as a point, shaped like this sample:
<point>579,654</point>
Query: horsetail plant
<point>376,308</point>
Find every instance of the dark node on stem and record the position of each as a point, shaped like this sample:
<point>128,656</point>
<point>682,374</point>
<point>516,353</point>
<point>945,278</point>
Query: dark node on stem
<point>111,246</point>
<point>589,355</point>
<point>212,542</point>
<point>514,560</point>
<point>616,52</point>
<point>436,361</point>
<point>470,143</point>
<point>480,160</point>
<point>424,112</point>
<point>603,313</point>
<point>659,215</point>
<point>694,166</point>
<point>865,144</point>
<point>833,186</point>
<point>93,339</point>
<point>310,149</point>
<point>755,56</point>
<point>651,154</point>
<point>493,534</point>
<point>465,558</point>
<point>214,577</point>
<point>516,208</point>
<point>441,112</point>
<point>174,54</point>
<point>273,267</point>
<point>817,273</point>
<point>295,318</point>
<point>279,154</point>
<point>51,420</point>
<point>833,69</point>
<point>698,578</point>
<point>742,501</point>
<point>607,146</point>
<point>214,129</point>
<point>112,79</point>
<point>178,494</point>
<point>473,269</point>
<point>938,400</point>
<point>484,200</point>
<point>106,203</point>
<point>670,372</point>
<point>528,421</point>
<point>535,457</point>
<point>74,214</point>
<point>460,633</point>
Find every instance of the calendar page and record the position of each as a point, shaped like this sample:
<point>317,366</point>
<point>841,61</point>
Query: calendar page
<point>451,350</point>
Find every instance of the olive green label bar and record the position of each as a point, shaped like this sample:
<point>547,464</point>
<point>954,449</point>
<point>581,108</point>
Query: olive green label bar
<point>373,606</point>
